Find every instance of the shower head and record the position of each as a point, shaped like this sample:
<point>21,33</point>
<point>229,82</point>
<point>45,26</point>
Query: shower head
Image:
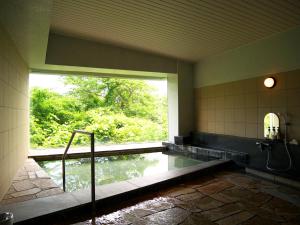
<point>280,114</point>
<point>284,116</point>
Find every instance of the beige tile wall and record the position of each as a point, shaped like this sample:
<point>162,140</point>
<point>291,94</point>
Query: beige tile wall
<point>238,108</point>
<point>13,111</point>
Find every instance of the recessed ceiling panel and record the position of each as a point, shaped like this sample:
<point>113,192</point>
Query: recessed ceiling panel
<point>186,29</point>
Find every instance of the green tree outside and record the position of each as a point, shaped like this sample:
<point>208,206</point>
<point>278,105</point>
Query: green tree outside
<point>117,110</point>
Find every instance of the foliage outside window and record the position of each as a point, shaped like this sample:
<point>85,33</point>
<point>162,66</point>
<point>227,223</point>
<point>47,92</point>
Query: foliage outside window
<point>117,110</point>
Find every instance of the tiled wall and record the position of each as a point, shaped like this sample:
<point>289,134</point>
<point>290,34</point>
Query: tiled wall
<point>13,111</point>
<point>238,108</point>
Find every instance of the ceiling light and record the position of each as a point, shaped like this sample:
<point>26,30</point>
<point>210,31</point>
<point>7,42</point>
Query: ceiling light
<point>269,82</point>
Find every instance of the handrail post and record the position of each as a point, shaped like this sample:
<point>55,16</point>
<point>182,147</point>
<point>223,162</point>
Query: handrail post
<point>63,160</point>
<point>93,173</point>
<point>93,183</point>
<point>64,174</point>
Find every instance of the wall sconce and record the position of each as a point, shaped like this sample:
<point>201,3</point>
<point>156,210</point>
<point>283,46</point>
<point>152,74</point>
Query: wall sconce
<point>269,82</point>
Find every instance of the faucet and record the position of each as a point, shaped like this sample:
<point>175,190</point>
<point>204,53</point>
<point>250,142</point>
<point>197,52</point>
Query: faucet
<point>263,145</point>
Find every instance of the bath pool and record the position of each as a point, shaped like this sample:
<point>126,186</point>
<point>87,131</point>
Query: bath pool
<point>114,168</point>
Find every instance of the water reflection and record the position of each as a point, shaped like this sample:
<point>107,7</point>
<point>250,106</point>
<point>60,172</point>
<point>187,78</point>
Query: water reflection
<point>114,168</point>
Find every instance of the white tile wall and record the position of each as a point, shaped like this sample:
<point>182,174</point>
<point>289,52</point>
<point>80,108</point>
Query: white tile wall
<point>14,122</point>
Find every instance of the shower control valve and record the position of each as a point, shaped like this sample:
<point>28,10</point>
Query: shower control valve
<point>263,145</point>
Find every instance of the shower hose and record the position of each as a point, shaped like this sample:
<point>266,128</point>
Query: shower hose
<point>286,149</point>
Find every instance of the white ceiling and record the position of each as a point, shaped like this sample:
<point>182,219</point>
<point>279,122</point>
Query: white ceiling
<point>185,29</point>
<point>27,23</point>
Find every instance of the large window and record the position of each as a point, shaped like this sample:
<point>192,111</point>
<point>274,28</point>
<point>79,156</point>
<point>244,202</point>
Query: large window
<point>117,110</point>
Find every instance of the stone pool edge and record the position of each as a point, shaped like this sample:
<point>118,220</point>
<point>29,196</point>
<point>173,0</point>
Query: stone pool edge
<point>42,209</point>
<point>98,153</point>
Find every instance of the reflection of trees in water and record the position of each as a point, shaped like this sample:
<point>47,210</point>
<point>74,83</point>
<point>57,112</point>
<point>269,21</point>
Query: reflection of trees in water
<point>108,170</point>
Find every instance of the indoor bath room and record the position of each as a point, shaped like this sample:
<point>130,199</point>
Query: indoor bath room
<point>150,112</point>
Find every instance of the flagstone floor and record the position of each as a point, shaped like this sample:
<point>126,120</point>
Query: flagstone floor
<point>30,182</point>
<point>227,198</point>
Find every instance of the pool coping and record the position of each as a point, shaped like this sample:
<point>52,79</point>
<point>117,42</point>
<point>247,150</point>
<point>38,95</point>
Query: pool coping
<point>41,209</point>
<point>44,155</point>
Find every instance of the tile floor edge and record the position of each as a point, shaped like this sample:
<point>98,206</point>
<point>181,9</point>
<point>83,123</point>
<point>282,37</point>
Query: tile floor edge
<point>274,178</point>
<point>80,198</point>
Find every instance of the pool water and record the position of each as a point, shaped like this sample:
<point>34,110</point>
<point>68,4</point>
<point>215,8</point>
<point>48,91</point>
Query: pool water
<point>114,168</point>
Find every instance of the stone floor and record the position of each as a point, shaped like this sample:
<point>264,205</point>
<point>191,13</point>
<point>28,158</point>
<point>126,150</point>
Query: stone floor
<point>227,198</point>
<point>30,182</point>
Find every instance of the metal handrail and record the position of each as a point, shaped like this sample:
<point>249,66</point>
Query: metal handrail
<point>92,135</point>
